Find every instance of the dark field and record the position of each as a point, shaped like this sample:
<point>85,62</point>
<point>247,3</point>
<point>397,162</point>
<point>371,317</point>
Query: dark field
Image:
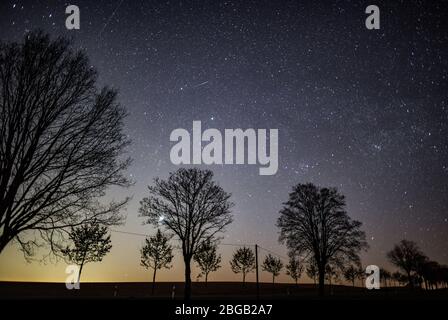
<point>213,291</point>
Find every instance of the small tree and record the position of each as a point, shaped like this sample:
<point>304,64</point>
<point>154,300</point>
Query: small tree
<point>361,275</point>
<point>312,272</point>
<point>331,274</point>
<point>156,254</point>
<point>294,268</point>
<point>272,265</point>
<point>90,244</point>
<point>207,258</point>
<point>243,261</point>
<point>386,276</point>
<point>351,274</point>
<point>399,278</point>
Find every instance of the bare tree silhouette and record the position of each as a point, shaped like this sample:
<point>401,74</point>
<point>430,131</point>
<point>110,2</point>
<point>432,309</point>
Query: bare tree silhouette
<point>407,256</point>
<point>351,274</point>
<point>243,261</point>
<point>429,271</point>
<point>90,243</point>
<point>207,258</point>
<point>314,222</point>
<point>442,276</point>
<point>312,272</point>
<point>399,278</point>
<point>272,265</point>
<point>361,275</point>
<point>332,273</point>
<point>156,254</point>
<point>385,276</point>
<point>61,141</point>
<point>192,206</point>
<point>294,268</point>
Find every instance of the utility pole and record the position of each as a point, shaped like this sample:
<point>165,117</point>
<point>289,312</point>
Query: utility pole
<point>256,271</point>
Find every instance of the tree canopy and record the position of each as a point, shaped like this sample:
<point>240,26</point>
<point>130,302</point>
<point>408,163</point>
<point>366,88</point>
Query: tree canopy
<point>192,206</point>
<point>243,261</point>
<point>313,222</point>
<point>89,243</point>
<point>207,258</point>
<point>61,143</point>
<point>156,253</point>
<point>272,265</point>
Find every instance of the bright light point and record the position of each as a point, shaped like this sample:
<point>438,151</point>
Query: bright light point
<point>161,218</point>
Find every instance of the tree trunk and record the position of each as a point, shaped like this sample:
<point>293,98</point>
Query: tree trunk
<point>321,282</point>
<point>410,280</point>
<point>3,243</point>
<point>244,279</point>
<point>206,278</point>
<point>187,288</point>
<point>80,270</point>
<point>82,264</point>
<point>153,281</point>
<point>273,279</point>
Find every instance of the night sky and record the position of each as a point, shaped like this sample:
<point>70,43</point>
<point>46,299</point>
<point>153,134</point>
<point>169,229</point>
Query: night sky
<point>363,110</point>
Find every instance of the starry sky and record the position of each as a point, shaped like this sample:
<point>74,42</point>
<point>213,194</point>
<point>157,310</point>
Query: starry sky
<point>362,110</point>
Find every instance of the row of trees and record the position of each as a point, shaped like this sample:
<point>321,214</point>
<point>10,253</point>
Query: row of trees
<point>416,268</point>
<point>90,243</point>
<point>313,223</point>
<point>157,253</point>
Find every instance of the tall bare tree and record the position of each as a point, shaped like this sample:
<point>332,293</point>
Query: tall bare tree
<point>243,261</point>
<point>408,257</point>
<point>272,265</point>
<point>314,222</point>
<point>90,243</point>
<point>156,254</point>
<point>61,143</point>
<point>207,258</point>
<point>192,206</point>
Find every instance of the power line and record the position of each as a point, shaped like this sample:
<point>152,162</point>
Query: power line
<point>223,244</point>
<point>278,255</point>
<point>147,235</point>
<point>237,244</point>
